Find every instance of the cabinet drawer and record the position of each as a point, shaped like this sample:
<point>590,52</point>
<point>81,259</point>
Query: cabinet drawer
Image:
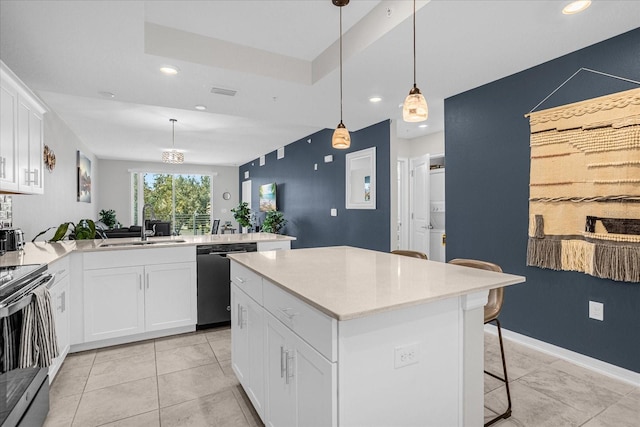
<point>316,328</point>
<point>247,280</point>
<point>60,267</point>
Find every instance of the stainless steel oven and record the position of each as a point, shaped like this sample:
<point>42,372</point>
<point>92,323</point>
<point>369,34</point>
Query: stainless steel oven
<point>24,393</point>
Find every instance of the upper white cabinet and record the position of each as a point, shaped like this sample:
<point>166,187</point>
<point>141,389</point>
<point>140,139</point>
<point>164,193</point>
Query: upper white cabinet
<point>21,136</point>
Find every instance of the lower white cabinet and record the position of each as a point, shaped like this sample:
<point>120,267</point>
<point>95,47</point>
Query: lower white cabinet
<point>247,338</point>
<point>60,306</point>
<point>113,302</point>
<point>130,300</point>
<point>301,383</point>
<point>289,382</point>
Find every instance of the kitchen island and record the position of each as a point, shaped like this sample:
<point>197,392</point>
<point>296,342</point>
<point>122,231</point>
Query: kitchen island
<point>352,337</point>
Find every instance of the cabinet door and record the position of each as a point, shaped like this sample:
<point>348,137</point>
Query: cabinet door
<point>170,295</point>
<point>113,303</point>
<point>23,173</point>
<point>36,150</point>
<point>255,325</point>
<point>315,381</point>
<point>60,305</point>
<point>8,137</point>
<point>239,336</point>
<point>280,408</point>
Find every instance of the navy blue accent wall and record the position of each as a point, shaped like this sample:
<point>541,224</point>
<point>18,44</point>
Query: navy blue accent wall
<point>306,196</point>
<point>487,149</point>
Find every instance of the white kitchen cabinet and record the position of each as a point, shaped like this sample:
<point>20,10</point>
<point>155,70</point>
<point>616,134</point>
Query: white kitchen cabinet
<point>278,245</point>
<point>60,305</point>
<point>247,351</point>
<point>113,302</point>
<point>274,354</point>
<point>131,300</point>
<point>301,382</point>
<point>169,295</point>
<point>21,137</point>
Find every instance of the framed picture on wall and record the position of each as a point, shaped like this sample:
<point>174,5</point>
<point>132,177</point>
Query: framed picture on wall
<point>84,178</point>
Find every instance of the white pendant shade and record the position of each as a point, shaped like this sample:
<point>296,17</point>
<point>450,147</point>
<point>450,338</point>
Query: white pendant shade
<point>341,138</point>
<point>173,156</point>
<point>415,107</point>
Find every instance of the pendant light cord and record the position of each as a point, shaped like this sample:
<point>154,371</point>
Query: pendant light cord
<point>414,43</point>
<point>173,133</point>
<point>340,64</point>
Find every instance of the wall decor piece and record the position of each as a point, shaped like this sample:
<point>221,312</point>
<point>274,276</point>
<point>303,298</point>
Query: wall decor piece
<point>584,188</point>
<point>360,179</point>
<point>49,158</point>
<point>84,178</point>
<point>267,196</point>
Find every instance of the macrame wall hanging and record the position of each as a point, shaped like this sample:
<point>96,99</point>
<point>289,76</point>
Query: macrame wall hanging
<point>584,188</point>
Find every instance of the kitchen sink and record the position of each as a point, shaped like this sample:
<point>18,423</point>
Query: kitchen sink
<point>107,244</point>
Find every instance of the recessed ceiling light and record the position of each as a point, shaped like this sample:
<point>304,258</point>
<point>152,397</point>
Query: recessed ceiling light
<point>200,107</point>
<point>423,126</point>
<point>106,94</point>
<point>576,7</point>
<point>169,70</point>
<point>375,99</point>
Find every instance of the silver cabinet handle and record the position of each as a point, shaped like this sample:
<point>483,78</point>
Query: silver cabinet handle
<point>63,302</point>
<point>288,367</point>
<point>283,362</point>
<point>286,311</point>
<point>240,279</point>
<point>238,315</point>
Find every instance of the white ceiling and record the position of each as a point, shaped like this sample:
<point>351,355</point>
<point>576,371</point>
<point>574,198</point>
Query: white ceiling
<point>280,56</point>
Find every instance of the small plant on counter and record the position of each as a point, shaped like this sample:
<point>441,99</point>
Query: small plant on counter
<point>242,214</point>
<point>108,218</point>
<point>84,230</point>
<point>273,222</point>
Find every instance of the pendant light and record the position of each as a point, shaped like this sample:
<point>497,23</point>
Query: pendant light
<point>173,156</point>
<point>341,138</point>
<point>415,106</point>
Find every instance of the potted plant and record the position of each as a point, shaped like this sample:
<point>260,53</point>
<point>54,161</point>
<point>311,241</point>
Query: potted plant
<point>242,214</point>
<point>85,229</point>
<point>273,222</point>
<point>108,218</point>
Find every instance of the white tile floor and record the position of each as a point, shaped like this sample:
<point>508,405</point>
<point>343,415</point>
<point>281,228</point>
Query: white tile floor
<point>186,380</point>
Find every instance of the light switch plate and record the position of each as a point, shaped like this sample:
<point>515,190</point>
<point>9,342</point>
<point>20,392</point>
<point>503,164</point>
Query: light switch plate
<point>315,166</point>
<point>246,174</point>
<point>328,158</point>
<point>334,212</point>
<point>596,310</point>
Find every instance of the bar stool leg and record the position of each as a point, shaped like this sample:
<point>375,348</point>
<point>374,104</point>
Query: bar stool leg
<point>505,379</point>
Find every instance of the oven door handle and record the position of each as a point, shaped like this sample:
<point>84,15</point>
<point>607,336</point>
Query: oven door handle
<point>23,297</point>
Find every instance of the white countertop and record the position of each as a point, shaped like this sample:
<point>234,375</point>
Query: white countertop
<point>45,253</point>
<point>347,283</point>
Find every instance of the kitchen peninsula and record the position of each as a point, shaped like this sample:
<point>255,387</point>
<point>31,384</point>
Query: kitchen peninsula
<point>351,337</point>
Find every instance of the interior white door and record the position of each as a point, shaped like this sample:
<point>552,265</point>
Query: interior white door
<point>419,204</point>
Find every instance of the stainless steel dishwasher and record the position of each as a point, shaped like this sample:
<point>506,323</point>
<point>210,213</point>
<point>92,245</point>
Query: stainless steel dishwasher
<point>214,281</point>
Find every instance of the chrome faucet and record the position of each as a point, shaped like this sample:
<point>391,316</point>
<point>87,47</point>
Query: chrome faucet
<point>143,230</point>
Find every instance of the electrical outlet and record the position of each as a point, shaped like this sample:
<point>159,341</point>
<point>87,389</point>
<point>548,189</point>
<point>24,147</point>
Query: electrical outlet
<point>406,355</point>
<point>596,310</point>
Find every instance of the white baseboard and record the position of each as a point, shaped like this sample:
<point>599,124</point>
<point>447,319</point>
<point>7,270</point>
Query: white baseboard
<point>92,345</point>
<point>596,365</point>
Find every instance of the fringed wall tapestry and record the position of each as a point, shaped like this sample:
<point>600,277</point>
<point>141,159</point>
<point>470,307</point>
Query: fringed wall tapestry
<point>584,188</point>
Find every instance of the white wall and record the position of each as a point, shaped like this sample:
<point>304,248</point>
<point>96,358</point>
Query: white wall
<point>115,176</point>
<point>431,144</point>
<point>35,213</point>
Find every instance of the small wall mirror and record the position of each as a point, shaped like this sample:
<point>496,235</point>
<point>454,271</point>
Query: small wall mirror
<point>360,179</point>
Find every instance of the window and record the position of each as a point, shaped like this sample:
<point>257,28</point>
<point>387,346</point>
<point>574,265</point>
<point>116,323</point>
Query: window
<point>183,200</point>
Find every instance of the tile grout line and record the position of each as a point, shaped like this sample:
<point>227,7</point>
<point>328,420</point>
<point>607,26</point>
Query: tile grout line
<point>155,357</point>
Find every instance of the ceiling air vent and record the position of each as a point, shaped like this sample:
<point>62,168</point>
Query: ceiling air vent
<point>221,91</point>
